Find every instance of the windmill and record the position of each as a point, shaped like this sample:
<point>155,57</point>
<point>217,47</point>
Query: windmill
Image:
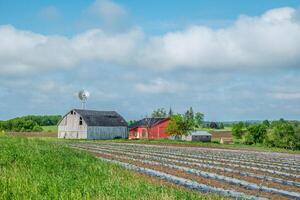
<point>83,95</point>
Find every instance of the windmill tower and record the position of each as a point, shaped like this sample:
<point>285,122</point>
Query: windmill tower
<point>83,95</point>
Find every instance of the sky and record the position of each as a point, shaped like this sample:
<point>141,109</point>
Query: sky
<point>229,59</point>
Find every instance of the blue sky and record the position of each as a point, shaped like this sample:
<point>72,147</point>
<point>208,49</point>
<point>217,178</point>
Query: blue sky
<point>231,60</point>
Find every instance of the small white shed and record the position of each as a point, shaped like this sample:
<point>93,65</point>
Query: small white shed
<point>92,124</point>
<point>202,136</point>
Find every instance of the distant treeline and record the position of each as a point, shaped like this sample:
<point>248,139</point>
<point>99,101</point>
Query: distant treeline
<point>281,133</point>
<point>29,123</point>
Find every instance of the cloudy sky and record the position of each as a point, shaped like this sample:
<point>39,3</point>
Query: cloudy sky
<point>231,59</point>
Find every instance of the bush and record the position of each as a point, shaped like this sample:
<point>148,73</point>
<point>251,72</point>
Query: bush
<point>179,125</point>
<point>28,123</point>
<point>255,134</point>
<point>37,128</point>
<point>248,139</point>
<point>237,130</point>
<point>283,135</point>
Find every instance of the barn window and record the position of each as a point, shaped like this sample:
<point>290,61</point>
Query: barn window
<point>80,121</point>
<point>72,112</point>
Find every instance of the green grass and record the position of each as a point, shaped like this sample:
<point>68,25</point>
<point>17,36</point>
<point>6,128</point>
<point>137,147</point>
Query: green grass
<point>52,129</point>
<point>36,169</point>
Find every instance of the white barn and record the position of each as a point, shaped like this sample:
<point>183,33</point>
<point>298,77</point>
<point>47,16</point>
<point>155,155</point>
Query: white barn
<point>91,124</point>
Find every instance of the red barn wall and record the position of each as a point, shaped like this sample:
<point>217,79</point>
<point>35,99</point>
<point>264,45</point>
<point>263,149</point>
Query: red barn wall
<point>159,130</point>
<point>155,132</point>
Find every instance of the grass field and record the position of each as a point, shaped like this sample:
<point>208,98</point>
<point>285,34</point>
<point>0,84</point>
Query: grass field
<point>35,169</point>
<point>50,129</point>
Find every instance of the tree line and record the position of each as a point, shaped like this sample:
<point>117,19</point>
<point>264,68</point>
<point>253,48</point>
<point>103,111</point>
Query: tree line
<point>280,133</point>
<point>30,123</point>
<point>180,124</point>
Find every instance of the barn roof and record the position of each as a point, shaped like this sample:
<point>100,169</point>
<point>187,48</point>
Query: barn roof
<point>147,122</point>
<point>101,118</point>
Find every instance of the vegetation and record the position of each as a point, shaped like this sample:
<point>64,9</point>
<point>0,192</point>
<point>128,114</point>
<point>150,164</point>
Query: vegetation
<point>199,118</point>
<point>35,169</point>
<point>160,112</point>
<point>29,123</point>
<point>184,124</point>
<point>282,134</point>
<point>180,125</point>
<point>238,130</point>
<point>50,129</point>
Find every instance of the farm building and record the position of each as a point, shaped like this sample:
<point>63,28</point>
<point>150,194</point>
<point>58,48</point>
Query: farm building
<point>151,128</point>
<point>202,136</point>
<point>91,124</point>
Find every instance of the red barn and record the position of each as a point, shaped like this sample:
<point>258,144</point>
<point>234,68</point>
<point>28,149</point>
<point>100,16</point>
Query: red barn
<point>151,128</point>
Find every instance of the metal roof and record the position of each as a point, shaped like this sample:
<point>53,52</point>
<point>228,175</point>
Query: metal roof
<point>147,122</point>
<point>101,118</point>
<point>200,133</point>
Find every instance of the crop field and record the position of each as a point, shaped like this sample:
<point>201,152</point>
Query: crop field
<point>229,173</point>
<point>40,169</point>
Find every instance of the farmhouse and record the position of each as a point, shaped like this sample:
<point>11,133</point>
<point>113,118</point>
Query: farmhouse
<point>151,128</point>
<point>202,136</point>
<point>91,124</point>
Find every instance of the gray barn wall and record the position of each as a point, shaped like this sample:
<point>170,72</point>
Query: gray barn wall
<point>202,138</point>
<point>69,127</point>
<point>102,132</point>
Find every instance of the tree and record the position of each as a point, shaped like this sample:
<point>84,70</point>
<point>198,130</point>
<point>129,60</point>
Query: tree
<point>266,123</point>
<point>213,125</point>
<point>199,118</point>
<point>189,114</point>
<point>131,122</point>
<point>179,125</point>
<point>257,133</point>
<point>237,130</point>
<point>221,126</point>
<point>160,112</point>
<point>283,135</point>
<point>170,112</point>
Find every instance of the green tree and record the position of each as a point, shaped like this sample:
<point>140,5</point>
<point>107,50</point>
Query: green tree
<point>189,114</point>
<point>221,126</point>
<point>257,133</point>
<point>213,125</point>
<point>170,112</point>
<point>199,118</point>
<point>283,135</point>
<point>179,125</point>
<point>266,123</point>
<point>237,130</point>
<point>160,112</point>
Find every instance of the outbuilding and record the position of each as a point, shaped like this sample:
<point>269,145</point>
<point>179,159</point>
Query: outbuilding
<point>149,128</point>
<point>92,124</point>
<point>202,136</point>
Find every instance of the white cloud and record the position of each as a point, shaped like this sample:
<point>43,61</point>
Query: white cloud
<point>272,40</point>
<point>109,12</point>
<point>24,51</point>
<point>269,41</point>
<point>158,86</point>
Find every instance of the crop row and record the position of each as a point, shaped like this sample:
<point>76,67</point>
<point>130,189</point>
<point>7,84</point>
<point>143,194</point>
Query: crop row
<point>195,158</point>
<point>187,161</point>
<point>171,162</point>
<point>262,158</point>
